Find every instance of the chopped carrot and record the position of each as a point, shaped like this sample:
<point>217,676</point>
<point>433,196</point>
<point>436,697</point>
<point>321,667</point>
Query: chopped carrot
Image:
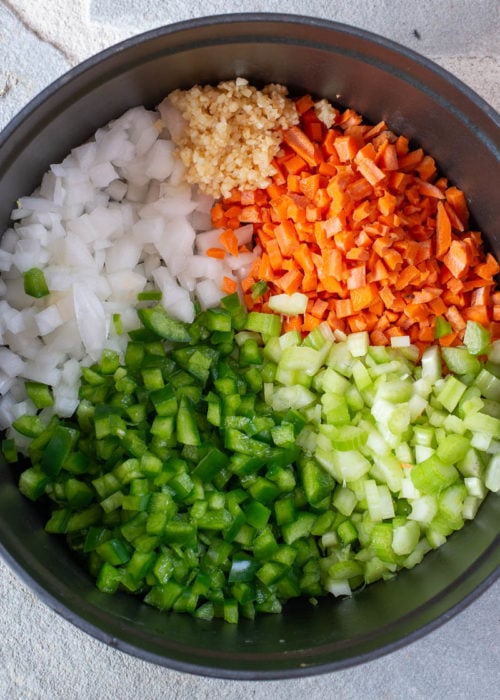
<point>362,225</point>
<point>229,286</point>
<point>302,145</point>
<point>304,103</point>
<point>229,241</point>
<point>457,259</point>
<point>216,253</point>
<point>443,231</point>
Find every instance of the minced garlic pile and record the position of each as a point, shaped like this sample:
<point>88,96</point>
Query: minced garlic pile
<point>232,133</point>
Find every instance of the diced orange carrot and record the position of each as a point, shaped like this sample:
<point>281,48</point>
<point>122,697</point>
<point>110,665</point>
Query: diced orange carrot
<point>229,241</point>
<point>216,253</point>
<point>229,286</point>
<point>360,223</point>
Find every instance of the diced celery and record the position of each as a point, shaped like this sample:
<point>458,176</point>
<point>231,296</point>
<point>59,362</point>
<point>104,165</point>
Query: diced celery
<point>431,363</point>
<point>461,361</point>
<point>289,304</point>
<point>492,474</point>
<point>357,343</point>
<point>488,384</point>
<point>477,338</point>
<point>423,509</point>
<point>451,393</point>
<point>405,537</point>
<point>378,497</point>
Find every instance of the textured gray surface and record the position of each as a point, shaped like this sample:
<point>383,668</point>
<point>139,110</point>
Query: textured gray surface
<point>41,655</point>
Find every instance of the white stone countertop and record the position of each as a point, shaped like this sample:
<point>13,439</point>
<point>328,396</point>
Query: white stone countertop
<point>43,657</point>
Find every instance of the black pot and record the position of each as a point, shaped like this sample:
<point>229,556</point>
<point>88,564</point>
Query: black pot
<point>382,81</point>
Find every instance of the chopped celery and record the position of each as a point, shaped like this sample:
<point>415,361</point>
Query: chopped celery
<point>477,338</point>
<point>289,304</point>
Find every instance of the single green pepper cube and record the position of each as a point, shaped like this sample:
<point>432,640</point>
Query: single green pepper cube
<point>58,449</point>
<point>40,394</point>
<point>35,284</point>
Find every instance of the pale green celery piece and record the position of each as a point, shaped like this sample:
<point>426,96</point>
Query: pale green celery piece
<point>329,539</point>
<point>343,466</point>
<point>408,489</point>
<point>483,423</point>
<point>434,538</point>
<point>492,408</point>
<point>450,503</point>
<point>355,400</point>
<point>395,391</point>
<point>422,387</point>
<point>361,376</point>
<point>399,419</point>
<point>317,380</point>
<point>302,358</point>
<point>417,405</point>
<point>410,353</point>
<point>375,569</point>
<point>291,376</point>
<point>475,486</point>
<point>378,354</point>
<point>405,537</point>
<point>319,336</point>
<point>348,437</point>
<point>358,488</point>
<point>460,361</point>
<point>307,439</point>
<point>396,367</point>
<point>453,448</point>
<point>433,475</point>
<point>424,435</point>
<point>345,569</point>
<point>272,350</point>
<point>335,409</point>
<point>378,497</point>
<point>436,416</point>
<point>451,393</point>
<point>481,441</point>
<point>344,500</point>
<point>375,441</point>
<point>388,470</point>
<point>492,474</point>
<point>290,339</point>
<point>488,384</point>
<point>242,336</point>
<point>358,343</point>
<point>471,465</point>
<point>422,548</point>
<point>423,452</point>
<point>431,364</point>
<point>423,509</point>
<point>494,353</point>
<point>312,414</point>
<point>351,464</point>
<point>404,453</point>
<point>471,401</point>
<point>288,304</point>
<point>454,424</point>
<point>477,338</point>
<point>334,382</point>
<point>340,359</point>
<point>296,397</point>
<point>471,507</point>
<point>338,588</point>
<point>494,447</point>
